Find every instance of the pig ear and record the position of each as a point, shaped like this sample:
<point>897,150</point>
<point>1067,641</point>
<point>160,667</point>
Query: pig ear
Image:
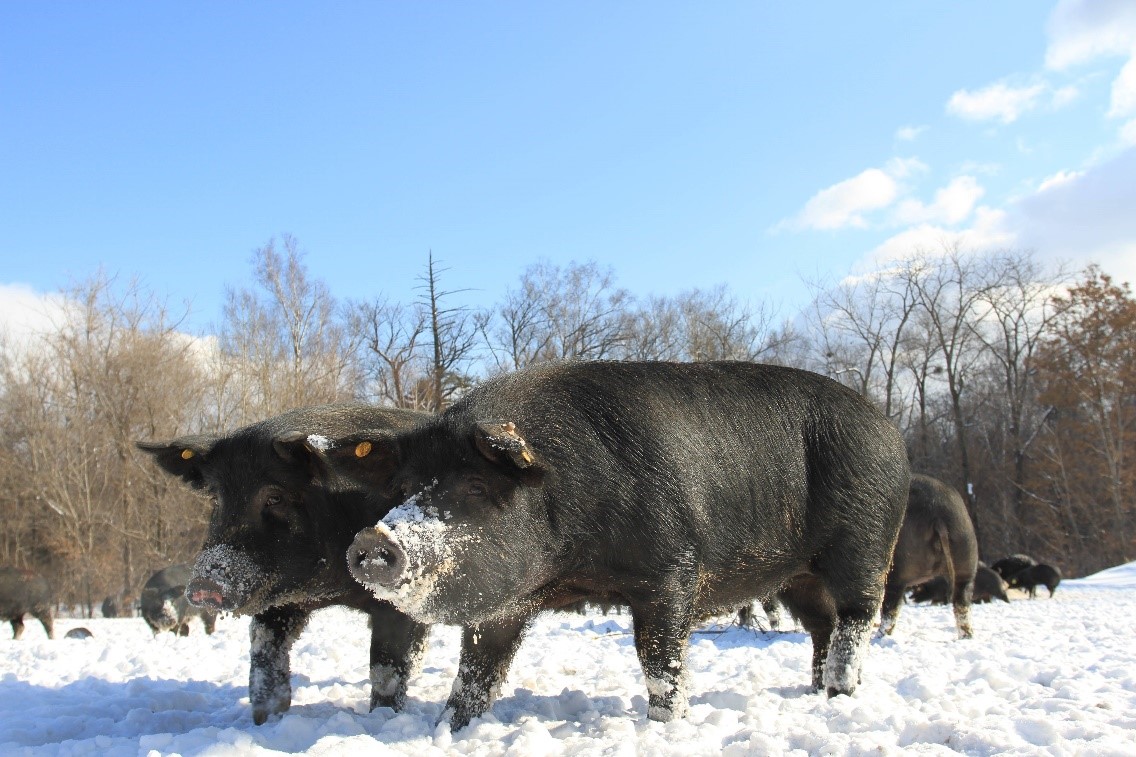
<point>368,457</point>
<point>185,457</point>
<point>301,450</point>
<point>500,443</point>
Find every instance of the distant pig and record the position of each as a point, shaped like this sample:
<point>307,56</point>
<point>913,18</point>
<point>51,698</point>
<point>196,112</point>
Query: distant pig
<point>1036,575</point>
<point>277,541</point>
<point>23,592</point>
<point>937,539</point>
<point>1008,566</point>
<point>681,490</point>
<point>936,591</point>
<point>164,606</point>
<point>112,607</point>
<point>988,586</point>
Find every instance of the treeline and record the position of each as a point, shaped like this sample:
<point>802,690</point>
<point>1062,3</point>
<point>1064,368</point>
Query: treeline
<point>1014,383</point>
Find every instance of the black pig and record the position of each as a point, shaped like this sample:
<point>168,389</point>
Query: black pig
<point>681,490</point>
<point>112,607</point>
<point>988,586</point>
<point>24,592</point>
<point>165,607</point>
<point>277,537</point>
<point>1036,575</point>
<point>1008,566</point>
<point>937,539</point>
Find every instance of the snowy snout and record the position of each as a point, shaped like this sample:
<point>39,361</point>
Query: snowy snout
<point>203,592</point>
<point>226,578</point>
<point>375,559</point>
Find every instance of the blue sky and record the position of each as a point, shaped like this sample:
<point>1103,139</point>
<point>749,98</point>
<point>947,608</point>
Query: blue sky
<point>748,143</point>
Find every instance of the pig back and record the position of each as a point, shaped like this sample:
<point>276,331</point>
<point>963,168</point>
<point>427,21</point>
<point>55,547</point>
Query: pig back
<point>22,591</point>
<point>722,458</point>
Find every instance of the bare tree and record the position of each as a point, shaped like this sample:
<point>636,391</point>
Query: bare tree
<point>517,333</point>
<point>719,327</point>
<point>656,331</point>
<point>287,337</point>
<point>559,314</point>
<point>113,370</point>
<point>452,335</point>
<point>861,324</point>
<point>949,289</point>
<point>393,340</point>
<point>1014,315</point>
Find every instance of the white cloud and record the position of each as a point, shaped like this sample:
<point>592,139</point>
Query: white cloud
<point>25,313</point>
<point>998,101</point>
<point>1085,218</point>
<point>901,168</point>
<point>1064,96</point>
<point>909,133</point>
<point>1128,133</point>
<point>982,169</point>
<point>1058,179</point>
<point>952,204</point>
<point>1082,30</point>
<point>1075,217</point>
<point>1124,91</point>
<point>985,233</point>
<point>846,203</point>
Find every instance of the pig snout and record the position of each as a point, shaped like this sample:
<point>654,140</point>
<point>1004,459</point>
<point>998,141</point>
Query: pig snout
<point>375,558</point>
<point>205,593</point>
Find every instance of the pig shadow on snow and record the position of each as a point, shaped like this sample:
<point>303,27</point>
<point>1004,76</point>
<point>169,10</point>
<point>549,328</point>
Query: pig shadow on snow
<point>87,709</point>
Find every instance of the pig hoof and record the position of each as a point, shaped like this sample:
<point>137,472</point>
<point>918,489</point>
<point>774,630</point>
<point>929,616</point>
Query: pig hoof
<point>457,720</point>
<point>396,703</point>
<point>261,713</point>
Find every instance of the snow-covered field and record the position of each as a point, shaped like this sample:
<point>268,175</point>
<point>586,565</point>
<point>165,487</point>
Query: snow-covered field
<point>1047,676</point>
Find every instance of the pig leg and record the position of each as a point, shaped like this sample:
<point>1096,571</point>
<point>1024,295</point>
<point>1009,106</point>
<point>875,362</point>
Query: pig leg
<point>889,610</point>
<point>811,604</point>
<point>960,599</point>
<point>848,647</point>
<point>397,644</point>
<point>772,612</point>
<point>272,634</point>
<point>48,623</point>
<point>662,630</point>
<point>856,603</point>
<point>17,626</point>
<point>487,651</point>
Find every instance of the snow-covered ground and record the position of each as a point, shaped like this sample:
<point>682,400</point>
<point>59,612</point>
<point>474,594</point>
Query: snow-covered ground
<point>1047,676</point>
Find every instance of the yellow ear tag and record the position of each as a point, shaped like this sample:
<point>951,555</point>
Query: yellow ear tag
<point>362,449</point>
<point>186,454</point>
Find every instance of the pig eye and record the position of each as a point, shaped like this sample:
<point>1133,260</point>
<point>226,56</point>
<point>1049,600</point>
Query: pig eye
<point>273,506</point>
<point>476,489</point>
